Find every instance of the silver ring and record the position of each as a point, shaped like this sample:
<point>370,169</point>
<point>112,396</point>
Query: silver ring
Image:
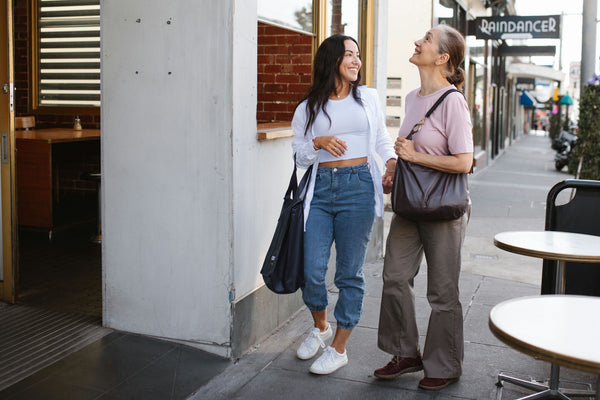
<point>337,140</point>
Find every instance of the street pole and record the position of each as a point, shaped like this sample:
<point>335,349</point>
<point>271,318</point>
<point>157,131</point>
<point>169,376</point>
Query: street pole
<point>562,23</point>
<point>588,41</point>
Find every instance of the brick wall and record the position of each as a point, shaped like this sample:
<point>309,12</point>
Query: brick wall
<point>73,159</point>
<point>336,17</point>
<point>284,72</point>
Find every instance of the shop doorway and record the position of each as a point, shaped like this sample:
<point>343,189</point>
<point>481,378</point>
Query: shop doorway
<point>49,203</point>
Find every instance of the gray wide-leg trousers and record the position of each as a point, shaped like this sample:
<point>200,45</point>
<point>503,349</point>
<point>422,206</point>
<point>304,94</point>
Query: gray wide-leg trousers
<point>441,242</point>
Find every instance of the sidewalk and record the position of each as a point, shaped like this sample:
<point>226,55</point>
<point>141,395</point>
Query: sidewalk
<point>508,195</point>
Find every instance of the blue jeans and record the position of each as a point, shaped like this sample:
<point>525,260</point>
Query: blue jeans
<point>342,210</point>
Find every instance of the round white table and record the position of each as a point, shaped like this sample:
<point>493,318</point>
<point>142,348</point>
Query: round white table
<point>529,324</point>
<point>550,245</point>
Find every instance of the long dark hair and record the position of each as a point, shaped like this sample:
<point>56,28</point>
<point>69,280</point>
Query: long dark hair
<point>326,69</point>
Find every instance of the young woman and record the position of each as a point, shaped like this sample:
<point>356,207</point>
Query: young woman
<point>338,128</point>
<point>444,143</point>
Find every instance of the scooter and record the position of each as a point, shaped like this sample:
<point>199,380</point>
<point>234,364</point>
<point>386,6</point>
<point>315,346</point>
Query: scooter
<point>562,156</point>
<point>563,146</point>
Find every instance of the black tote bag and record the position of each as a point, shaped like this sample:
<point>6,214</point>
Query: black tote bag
<point>283,267</point>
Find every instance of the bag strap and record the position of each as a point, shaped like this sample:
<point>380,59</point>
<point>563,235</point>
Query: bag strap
<point>292,189</point>
<point>303,185</point>
<point>417,127</point>
<point>295,190</point>
<point>438,102</point>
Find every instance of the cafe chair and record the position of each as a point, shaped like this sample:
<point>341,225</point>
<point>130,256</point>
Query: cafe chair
<point>25,123</point>
<point>571,206</point>
<point>581,214</point>
<point>96,177</point>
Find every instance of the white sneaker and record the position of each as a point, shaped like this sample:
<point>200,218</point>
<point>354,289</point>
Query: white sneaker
<point>329,362</point>
<point>313,341</point>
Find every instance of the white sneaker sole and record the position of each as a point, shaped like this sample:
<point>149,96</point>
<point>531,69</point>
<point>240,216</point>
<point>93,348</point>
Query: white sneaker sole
<point>308,357</point>
<point>329,371</point>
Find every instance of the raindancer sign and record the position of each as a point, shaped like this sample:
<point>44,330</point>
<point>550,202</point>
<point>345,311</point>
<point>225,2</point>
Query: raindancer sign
<point>513,27</point>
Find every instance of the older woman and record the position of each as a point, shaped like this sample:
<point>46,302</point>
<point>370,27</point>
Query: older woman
<point>444,143</point>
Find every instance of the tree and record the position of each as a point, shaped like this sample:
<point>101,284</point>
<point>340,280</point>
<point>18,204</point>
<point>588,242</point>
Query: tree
<point>555,125</point>
<point>587,147</point>
<point>304,18</point>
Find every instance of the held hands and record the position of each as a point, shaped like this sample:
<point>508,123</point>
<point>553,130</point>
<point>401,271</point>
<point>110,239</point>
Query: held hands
<point>331,144</point>
<point>388,176</point>
<point>405,149</point>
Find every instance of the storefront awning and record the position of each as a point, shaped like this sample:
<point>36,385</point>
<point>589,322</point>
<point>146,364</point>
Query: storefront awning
<point>526,100</point>
<point>534,71</point>
<point>566,99</point>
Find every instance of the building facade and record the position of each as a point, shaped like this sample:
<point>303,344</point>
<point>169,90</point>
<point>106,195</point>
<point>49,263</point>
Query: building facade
<point>195,115</point>
<point>490,85</point>
<point>196,103</point>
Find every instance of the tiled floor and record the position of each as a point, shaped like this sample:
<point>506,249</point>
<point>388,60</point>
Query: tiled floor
<point>65,275</point>
<point>122,366</point>
<point>32,338</point>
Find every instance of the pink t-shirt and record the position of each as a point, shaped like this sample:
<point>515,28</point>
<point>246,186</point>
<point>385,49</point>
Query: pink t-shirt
<point>447,131</point>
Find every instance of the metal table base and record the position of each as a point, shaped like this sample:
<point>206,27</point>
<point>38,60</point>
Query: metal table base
<point>550,391</point>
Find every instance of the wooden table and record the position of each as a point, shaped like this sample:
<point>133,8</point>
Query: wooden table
<point>550,245</point>
<point>58,135</point>
<point>561,329</point>
<point>37,173</point>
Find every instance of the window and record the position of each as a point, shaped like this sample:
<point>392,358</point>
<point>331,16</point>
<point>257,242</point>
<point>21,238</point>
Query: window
<point>344,18</point>
<point>289,31</point>
<point>296,14</point>
<point>351,18</point>
<point>451,12</point>
<point>285,51</point>
<point>66,53</point>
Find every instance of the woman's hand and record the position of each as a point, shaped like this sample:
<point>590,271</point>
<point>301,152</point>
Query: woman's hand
<point>454,163</point>
<point>387,180</point>
<point>331,144</point>
<point>405,149</point>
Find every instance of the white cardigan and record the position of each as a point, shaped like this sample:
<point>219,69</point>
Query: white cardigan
<point>379,143</point>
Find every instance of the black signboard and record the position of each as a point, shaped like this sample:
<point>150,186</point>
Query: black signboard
<point>516,27</point>
<point>525,83</point>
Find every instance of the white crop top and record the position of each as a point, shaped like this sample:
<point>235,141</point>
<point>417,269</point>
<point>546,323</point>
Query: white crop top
<point>348,123</point>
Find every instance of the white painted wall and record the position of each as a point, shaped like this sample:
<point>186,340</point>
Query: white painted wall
<point>261,170</point>
<point>380,47</point>
<point>190,197</point>
<point>167,127</point>
<point>407,23</point>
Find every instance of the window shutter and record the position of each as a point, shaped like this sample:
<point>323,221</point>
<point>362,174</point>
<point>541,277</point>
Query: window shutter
<point>69,53</point>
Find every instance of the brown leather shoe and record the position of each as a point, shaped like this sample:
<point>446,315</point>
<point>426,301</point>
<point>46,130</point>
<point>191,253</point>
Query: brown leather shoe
<point>399,366</point>
<point>436,383</point>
